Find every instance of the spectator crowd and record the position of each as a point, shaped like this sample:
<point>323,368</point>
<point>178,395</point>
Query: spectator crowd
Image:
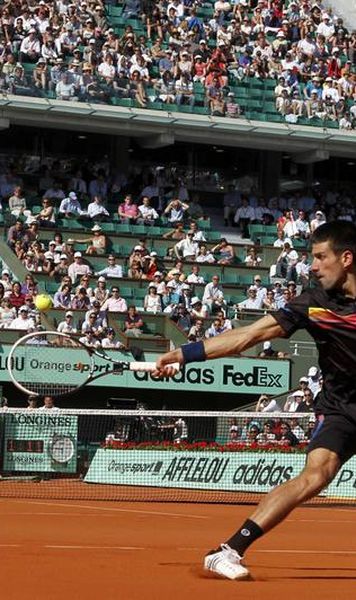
<point>182,52</point>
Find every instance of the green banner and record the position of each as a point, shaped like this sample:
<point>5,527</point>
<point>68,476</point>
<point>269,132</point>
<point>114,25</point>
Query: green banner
<point>255,472</point>
<point>230,375</point>
<point>40,441</point>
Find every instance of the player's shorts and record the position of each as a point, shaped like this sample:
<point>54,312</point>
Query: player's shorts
<point>336,433</point>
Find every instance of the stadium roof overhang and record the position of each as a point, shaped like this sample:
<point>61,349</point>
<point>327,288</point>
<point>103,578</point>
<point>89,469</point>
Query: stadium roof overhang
<point>163,128</point>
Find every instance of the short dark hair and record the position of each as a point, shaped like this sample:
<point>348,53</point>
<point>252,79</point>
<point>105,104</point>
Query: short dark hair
<point>340,234</point>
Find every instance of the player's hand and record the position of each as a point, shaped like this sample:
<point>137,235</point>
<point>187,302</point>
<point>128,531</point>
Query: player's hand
<point>167,364</point>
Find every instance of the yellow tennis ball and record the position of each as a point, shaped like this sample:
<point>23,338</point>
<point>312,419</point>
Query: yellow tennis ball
<point>43,302</point>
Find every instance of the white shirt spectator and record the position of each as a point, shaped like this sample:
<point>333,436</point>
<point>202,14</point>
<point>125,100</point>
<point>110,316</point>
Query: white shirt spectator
<point>115,304</point>
<point>71,205</point>
<point>187,247</point>
<point>78,268</point>
<point>95,209</point>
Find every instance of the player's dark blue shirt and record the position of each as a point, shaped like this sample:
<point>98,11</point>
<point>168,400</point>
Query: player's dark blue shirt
<point>330,318</point>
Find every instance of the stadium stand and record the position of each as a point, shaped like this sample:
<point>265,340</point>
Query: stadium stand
<point>273,61</point>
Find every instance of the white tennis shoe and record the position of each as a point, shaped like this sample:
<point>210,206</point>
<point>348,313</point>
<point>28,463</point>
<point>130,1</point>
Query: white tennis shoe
<point>226,563</point>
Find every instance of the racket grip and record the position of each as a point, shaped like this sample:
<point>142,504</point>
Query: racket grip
<point>149,366</point>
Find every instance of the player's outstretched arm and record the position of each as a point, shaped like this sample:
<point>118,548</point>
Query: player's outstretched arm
<point>232,342</point>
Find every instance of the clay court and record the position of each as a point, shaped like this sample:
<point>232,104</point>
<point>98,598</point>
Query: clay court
<point>57,549</point>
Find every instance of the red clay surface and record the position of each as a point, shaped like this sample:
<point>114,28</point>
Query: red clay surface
<point>59,549</point>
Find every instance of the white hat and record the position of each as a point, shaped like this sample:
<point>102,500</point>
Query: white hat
<point>5,272</point>
<point>70,241</point>
<point>69,313</point>
<point>52,242</point>
<point>48,255</point>
<point>325,16</point>
<point>77,255</point>
<point>171,284</point>
<point>313,371</point>
<point>303,380</point>
<point>138,248</point>
<point>298,394</point>
<point>72,195</point>
<point>63,257</point>
<point>281,34</point>
<point>153,254</point>
<point>267,345</point>
<point>96,228</point>
<point>23,308</point>
<point>101,278</point>
<point>158,274</point>
<point>195,300</point>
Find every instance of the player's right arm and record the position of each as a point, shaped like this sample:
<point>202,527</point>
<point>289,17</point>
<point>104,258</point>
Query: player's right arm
<point>230,343</point>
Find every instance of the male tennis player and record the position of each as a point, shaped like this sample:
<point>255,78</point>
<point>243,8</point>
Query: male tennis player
<point>328,313</point>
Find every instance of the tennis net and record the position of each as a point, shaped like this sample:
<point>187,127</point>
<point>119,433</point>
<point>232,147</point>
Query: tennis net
<point>157,455</point>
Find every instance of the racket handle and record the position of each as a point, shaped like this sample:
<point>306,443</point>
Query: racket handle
<point>149,366</point>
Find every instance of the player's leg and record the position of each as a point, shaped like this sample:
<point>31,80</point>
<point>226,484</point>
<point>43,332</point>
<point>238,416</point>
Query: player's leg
<point>321,467</point>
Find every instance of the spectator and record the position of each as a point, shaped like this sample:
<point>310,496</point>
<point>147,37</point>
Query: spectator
<point>115,303</point>
<point>187,249</point>
<point>224,252</point>
<point>319,219</point>
<point>96,210</point>
<point>97,242</point>
<point>194,276</point>
<point>314,380</point>
<point>109,343</point>
<point>46,216</point>
<point>175,211</point>
<point>252,258</point>
<point>252,302</point>
<point>204,255</point>
<point>213,295</point>
<point>7,313</point>
<point>71,207</point>
<point>128,210</point>
<point>152,301</point>
<point>293,401</point>
<point>100,293</point>
<point>63,297</point>
<point>147,215</point>
<point>78,267</point>
<point>197,331</point>
<point>244,216</point>
<point>215,329</point>
<point>133,322</point>
<point>23,321</point>
<point>67,325</point>
<point>112,269</point>
<point>80,300</point>
<point>286,263</point>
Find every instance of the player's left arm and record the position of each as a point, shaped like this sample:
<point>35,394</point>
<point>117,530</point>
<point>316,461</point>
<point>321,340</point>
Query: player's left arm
<point>230,343</point>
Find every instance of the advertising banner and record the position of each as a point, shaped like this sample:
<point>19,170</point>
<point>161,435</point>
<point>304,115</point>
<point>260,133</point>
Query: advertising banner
<point>232,375</point>
<point>220,471</point>
<point>40,441</point>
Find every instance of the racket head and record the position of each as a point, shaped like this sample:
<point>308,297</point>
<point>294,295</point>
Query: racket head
<point>36,371</point>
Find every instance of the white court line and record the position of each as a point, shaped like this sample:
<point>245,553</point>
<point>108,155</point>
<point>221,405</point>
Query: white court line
<point>305,551</point>
<point>122,510</point>
<point>52,547</point>
<point>10,546</point>
<point>320,521</point>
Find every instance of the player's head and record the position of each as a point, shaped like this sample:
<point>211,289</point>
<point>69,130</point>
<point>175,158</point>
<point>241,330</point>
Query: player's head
<point>334,252</point>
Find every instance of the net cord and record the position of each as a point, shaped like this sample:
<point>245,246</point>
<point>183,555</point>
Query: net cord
<point>159,413</point>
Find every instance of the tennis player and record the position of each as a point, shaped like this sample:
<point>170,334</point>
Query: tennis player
<point>328,313</point>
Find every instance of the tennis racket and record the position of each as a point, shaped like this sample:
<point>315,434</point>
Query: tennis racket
<point>49,363</point>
